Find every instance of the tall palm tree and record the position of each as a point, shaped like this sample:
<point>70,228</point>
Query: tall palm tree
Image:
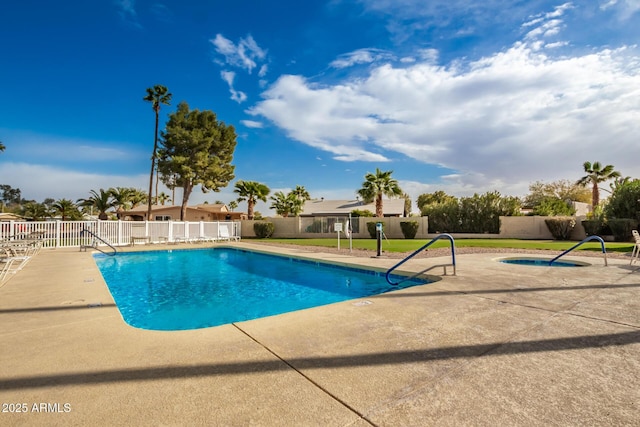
<point>377,185</point>
<point>2,147</point>
<point>157,95</point>
<point>595,175</point>
<point>100,201</point>
<point>251,191</point>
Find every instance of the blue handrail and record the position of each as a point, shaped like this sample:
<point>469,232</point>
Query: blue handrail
<point>441,236</point>
<point>96,237</point>
<point>598,238</point>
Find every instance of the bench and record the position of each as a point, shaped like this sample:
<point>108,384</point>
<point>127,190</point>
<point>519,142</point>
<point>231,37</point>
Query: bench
<point>145,239</point>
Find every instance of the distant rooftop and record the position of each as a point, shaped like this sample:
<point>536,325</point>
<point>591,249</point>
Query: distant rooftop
<point>321,207</point>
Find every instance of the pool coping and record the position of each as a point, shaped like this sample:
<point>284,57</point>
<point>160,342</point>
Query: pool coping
<point>495,344</point>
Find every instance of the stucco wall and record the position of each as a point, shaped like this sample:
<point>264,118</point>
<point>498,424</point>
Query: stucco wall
<point>511,227</point>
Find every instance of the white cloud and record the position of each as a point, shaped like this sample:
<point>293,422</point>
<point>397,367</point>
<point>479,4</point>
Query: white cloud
<point>39,182</point>
<point>127,12</point>
<point>360,56</point>
<point>252,124</point>
<point>242,55</point>
<point>625,9</point>
<point>229,76</point>
<point>502,121</point>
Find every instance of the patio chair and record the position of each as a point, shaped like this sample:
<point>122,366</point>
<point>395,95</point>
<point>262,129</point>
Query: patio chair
<point>224,234</point>
<point>635,253</point>
<point>5,269</point>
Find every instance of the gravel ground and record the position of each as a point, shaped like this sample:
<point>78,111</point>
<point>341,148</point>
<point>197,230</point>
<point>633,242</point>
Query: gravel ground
<point>431,253</point>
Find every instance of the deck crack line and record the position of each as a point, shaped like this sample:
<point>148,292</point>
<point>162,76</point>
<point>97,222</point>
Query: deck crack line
<point>306,377</point>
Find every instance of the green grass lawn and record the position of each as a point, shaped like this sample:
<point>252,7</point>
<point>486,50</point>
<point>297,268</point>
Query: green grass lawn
<point>404,245</point>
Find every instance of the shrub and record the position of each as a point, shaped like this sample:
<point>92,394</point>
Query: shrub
<point>357,213</point>
<point>554,207</point>
<point>625,201</point>
<point>409,229</point>
<point>592,227</point>
<point>476,214</point>
<point>371,228</point>
<point>561,227</point>
<point>443,217</point>
<point>315,227</point>
<point>263,230</point>
<point>621,228</point>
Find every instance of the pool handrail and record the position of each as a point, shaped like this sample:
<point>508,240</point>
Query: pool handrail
<point>94,244</point>
<point>438,237</point>
<point>598,238</point>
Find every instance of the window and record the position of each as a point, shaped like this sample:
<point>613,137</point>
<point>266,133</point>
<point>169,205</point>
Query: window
<point>163,217</point>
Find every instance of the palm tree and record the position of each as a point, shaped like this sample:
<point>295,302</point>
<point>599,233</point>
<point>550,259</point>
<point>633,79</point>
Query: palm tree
<point>102,202</point>
<point>163,198</point>
<point>65,208</point>
<point>232,205</point>
<point>121,199</point>
<point>157,95</point>
<point>35,211</point>
<point>2,147</point>
<point>376,185</point>
<point>301,193</point>
<point>137,197</point>
<point>251,191</point>
<point>285,205</point>
<point>595,175</point>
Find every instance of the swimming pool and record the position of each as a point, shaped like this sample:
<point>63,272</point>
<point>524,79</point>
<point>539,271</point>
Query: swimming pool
<point>542,262</point>
<point>199,288</point>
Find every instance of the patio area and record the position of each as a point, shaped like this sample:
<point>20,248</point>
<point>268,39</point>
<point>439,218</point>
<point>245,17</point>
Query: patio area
<point>497,344</point>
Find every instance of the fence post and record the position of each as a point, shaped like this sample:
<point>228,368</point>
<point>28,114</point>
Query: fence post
<point>58,226</point>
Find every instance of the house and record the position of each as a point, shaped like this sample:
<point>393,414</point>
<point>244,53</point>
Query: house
<point>202,212</point>
<point>321,207</point>
<point>8,216</point>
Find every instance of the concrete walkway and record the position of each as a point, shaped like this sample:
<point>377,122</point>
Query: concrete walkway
<point>497,344</point>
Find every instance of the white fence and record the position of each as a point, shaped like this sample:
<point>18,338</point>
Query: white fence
<point>68,234</point>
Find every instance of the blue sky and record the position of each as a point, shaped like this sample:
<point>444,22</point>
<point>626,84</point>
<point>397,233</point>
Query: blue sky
<point>453,95</point>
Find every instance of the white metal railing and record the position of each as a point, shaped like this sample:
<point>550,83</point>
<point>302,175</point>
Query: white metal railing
<point>67,234</point>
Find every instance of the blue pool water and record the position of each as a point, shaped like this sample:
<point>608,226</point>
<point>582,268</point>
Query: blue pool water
<point>190,289</point>
<point>541,262</point>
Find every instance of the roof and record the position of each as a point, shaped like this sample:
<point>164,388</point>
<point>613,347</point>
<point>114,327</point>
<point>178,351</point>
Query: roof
<point>390,207</point>
<point>8,216</point>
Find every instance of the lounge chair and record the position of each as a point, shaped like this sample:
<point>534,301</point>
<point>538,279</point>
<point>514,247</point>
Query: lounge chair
<point>224,234</point>
<point>5,269</point>
<point>13,259</point>
<point>635,254</point>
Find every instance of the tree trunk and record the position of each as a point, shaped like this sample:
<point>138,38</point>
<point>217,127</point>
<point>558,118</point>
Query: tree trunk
<point>595,195</point>
<point>153,166</point>
<point>186,192</point>
<point>250,204</point>
<point>379,211</point>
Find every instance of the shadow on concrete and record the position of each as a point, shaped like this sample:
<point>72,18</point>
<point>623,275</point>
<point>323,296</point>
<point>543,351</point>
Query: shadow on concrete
<point>333,362</point>
<point>502,291</point>
<point>54,308</point>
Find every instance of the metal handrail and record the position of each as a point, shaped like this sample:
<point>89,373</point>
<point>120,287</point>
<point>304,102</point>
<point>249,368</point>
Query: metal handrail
<point>95,246</point>
<point>598,238</point>
<point>441,236</point>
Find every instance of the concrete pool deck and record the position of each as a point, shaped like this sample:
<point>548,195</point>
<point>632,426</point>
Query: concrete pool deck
<point>497,344</point>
